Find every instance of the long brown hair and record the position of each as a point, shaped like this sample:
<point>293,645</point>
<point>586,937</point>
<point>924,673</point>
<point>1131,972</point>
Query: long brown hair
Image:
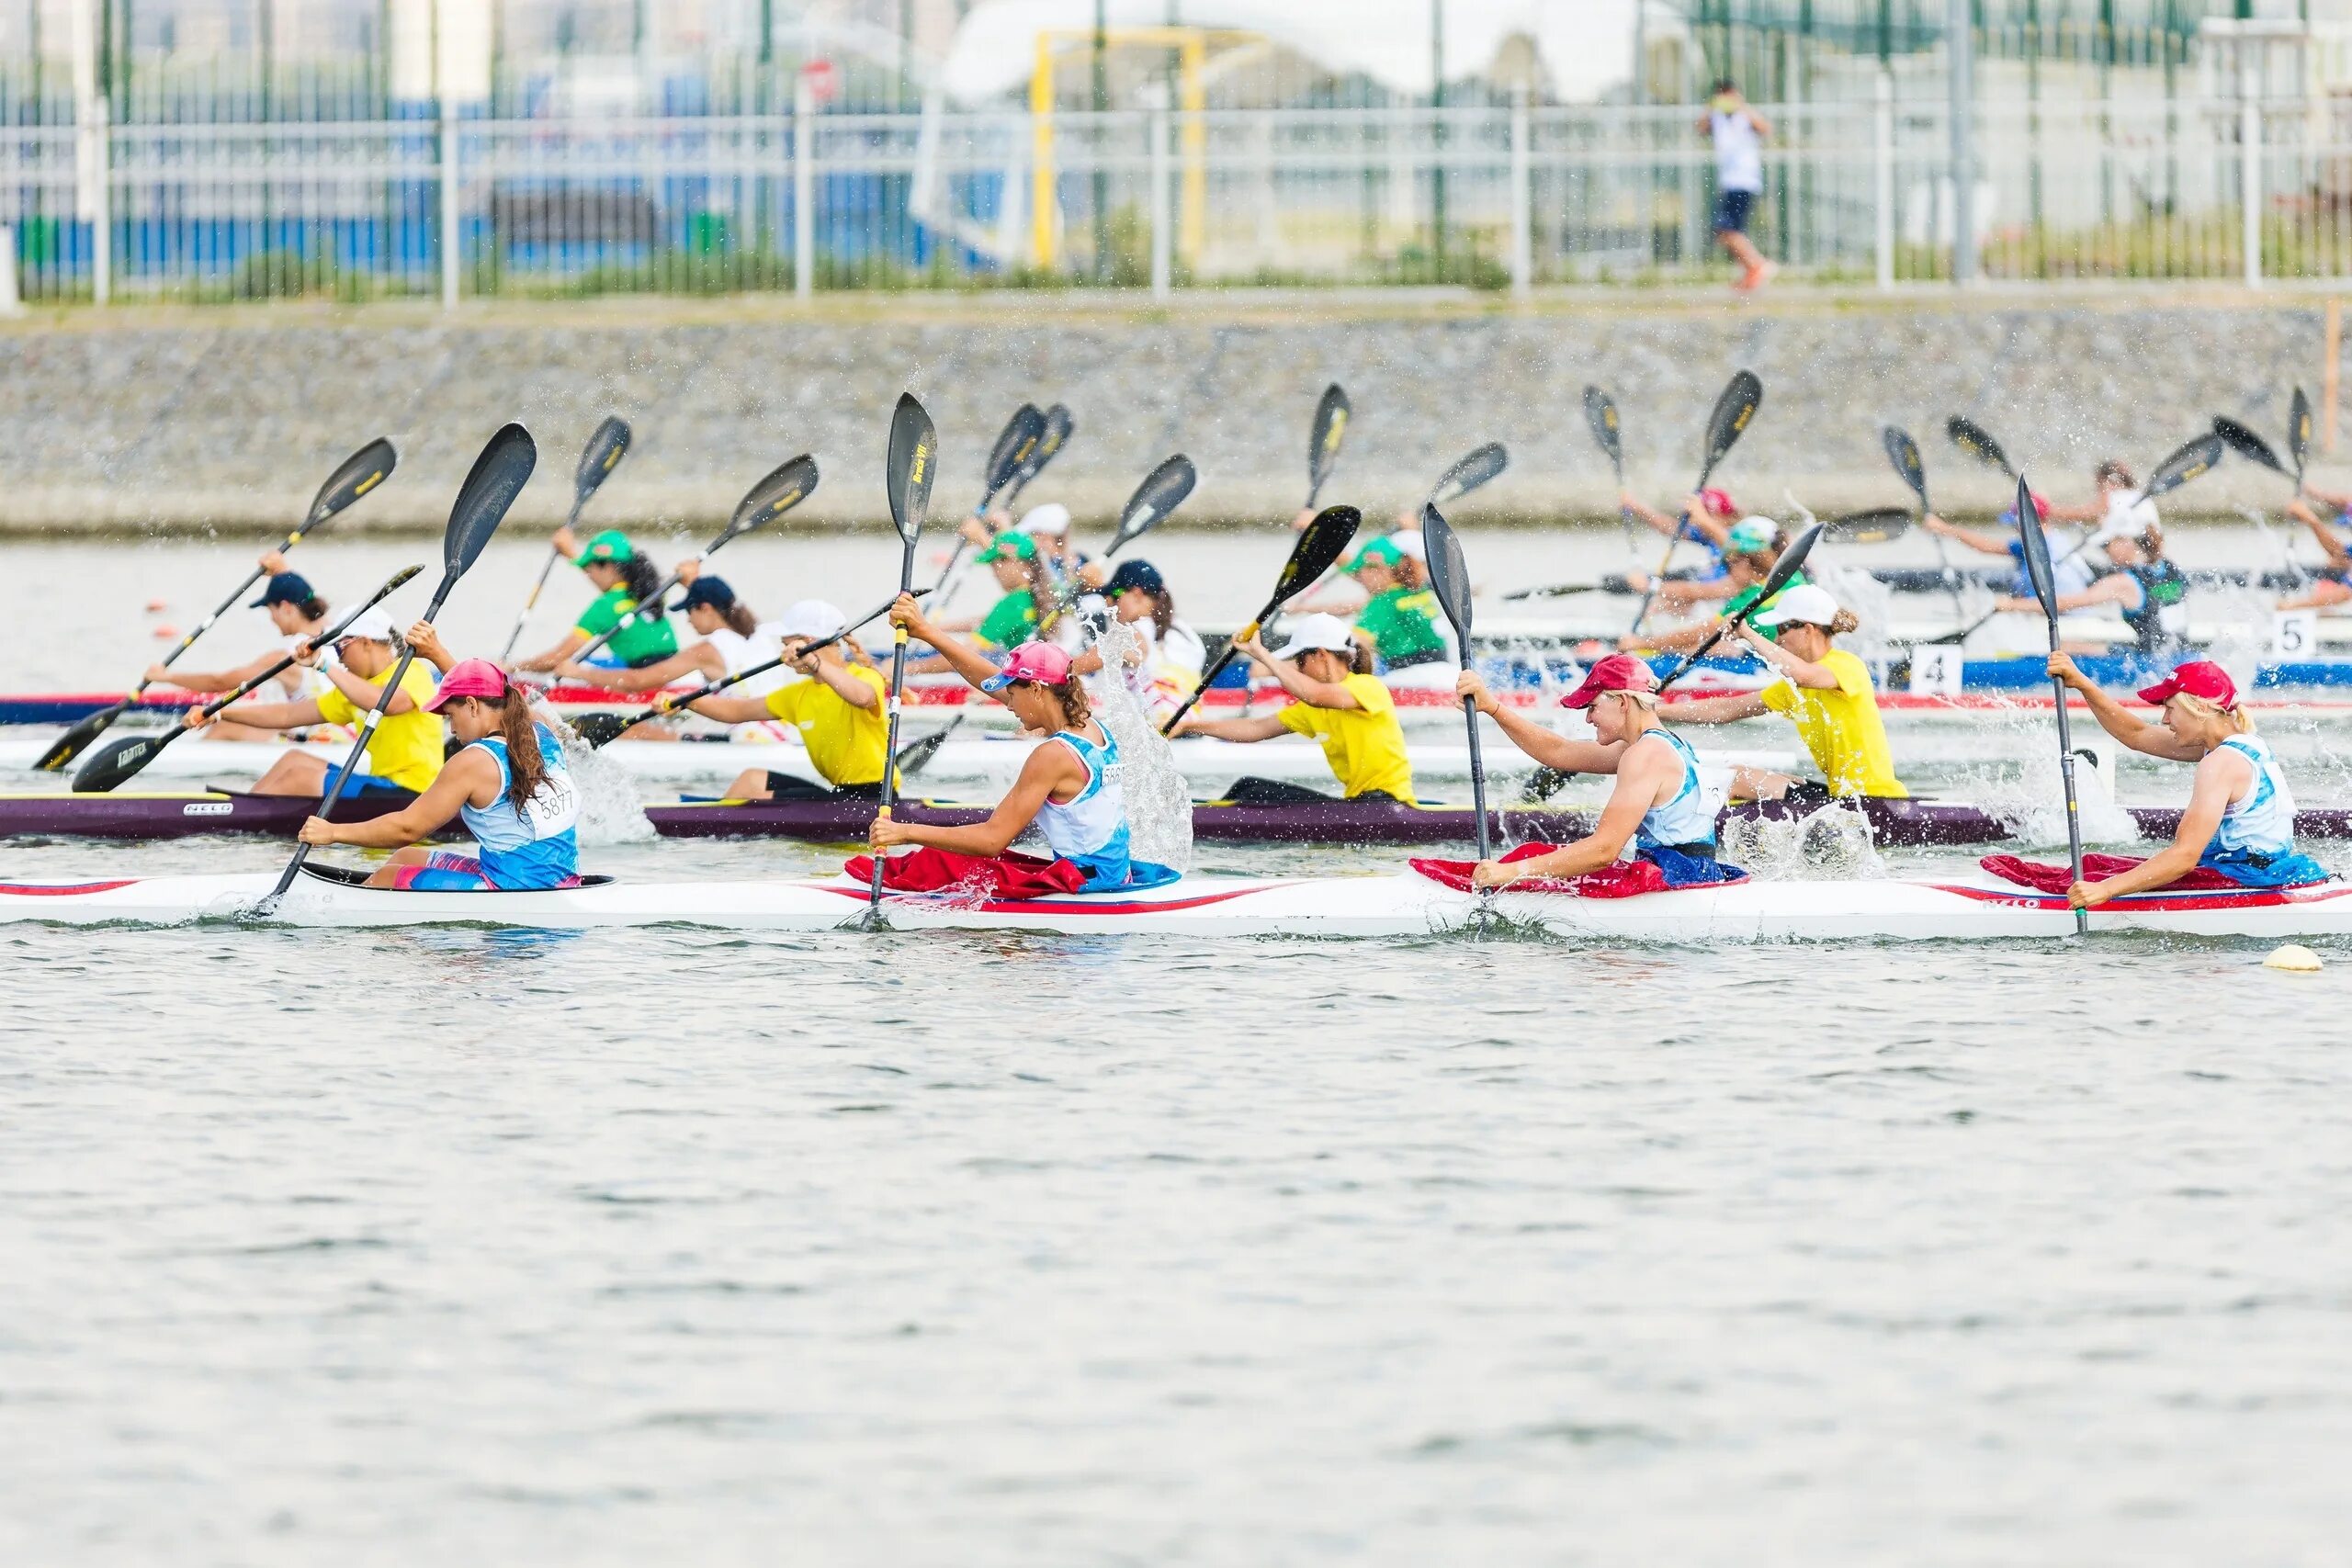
<point>1163,608</point>
<point>740,619</point>
<point>1076,709</point>
<point>527,770</point>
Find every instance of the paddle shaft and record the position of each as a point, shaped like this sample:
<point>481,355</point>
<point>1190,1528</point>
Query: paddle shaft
<point>507,654</point>
<point>897,686</point>
<point>1477,775</point>
<point>664,710</point>
<point>1649,595</point>
<point>1232,648</point>
<point>2066,774</point>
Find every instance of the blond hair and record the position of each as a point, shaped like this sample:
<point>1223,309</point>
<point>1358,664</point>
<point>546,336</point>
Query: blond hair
<point>2239,718</point>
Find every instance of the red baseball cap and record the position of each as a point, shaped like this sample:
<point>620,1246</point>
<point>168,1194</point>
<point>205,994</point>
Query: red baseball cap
<point>1618,672</point>
<point>468,677</point>
<point>1718,502</point>
<point>2198,678</point>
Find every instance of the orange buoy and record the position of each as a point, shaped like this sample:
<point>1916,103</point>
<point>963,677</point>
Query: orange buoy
<point>156,606</point>
<point>166,629</point>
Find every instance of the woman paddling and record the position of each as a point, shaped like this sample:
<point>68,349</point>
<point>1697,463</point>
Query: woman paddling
<point>732,639</point>
<point>1165,657</point>
<point>299,612</point>
<point>1707,518</point>
<point>1337,701</point>
<point>1393,619</point>
<point>2330,584</point>
<point>508,783</point>
<point>403,754</point>
<point>2070,570</point>
<point>1664,805</point>
<point>1750,548</point>
<point>2147,590</point>
<point>833,698</point>
<point>2240,821</point>
<point>1823,689</point>
<point>1069,787</point>
<point>625,581</point>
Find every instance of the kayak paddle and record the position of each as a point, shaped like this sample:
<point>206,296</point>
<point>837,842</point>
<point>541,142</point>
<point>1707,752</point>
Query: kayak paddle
<point>1734,408</point>
<point>112,765</point>
<point>2037,567</point>
<point>1782,569</point>
<point>1977,442</point>
<point>1058,425</point>
<point>358,474</point>
<point>2299,434</point>
<point>2241,439</point>
<point>483,501</point>
<point>1319,545</point>
<point>1323,438</point>
<point>602,728</point>
<point>1016,446</point>
<point>605,447</point>
<point>2191,459</point>
<point>783,490</point>
<point>910,467</point>
<point>1162,492</point>
<point>1601,417</point>
<point>1880,526</point>
<point>1450,579</point>
<point>1904,453</point>
<point>1469,471</point>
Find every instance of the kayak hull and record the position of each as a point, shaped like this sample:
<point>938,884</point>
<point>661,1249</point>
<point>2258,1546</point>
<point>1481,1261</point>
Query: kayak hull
<point>138,815</point>
<point>1391,905</point>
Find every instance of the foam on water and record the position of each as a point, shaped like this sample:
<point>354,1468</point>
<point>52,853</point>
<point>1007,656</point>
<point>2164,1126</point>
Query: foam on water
<point>609,810</point>
<point>1160,805</point>
<point>1831,844</point>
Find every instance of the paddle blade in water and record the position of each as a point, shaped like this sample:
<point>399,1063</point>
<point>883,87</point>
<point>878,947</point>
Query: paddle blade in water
<point>607,446</point>
<point>2037,551</point>
<point>2194,458</point>
<point>497,478</point>
<point>1016,447</point>
<point>1162,492</point>
<point>1323,439</point>
<point>786,487</point>
<point>1469,472</point>
<point>1977,442</point>
<point>118,759</point>
<point>1875,527</point>
<point>360,472</point>
<point>1325,540</point>
<point>1449,576</point>
<point>912,465</point>
<point>2243,440</point>
<point>1734,411</point>
<point>1904,453</point>
<point>2298,433</point>
<point>1601,417</point>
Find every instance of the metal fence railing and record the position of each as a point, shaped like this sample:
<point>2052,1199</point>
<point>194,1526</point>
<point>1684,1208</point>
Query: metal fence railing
<point>2065,187</point>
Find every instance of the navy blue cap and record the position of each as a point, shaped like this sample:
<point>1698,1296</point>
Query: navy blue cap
<point>286,588</point>
<point>710,590</point>
<point>1135,574</point>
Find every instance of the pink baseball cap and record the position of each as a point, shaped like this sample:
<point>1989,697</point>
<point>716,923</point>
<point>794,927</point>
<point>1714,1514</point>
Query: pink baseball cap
<point>1718,502</point>
<point>2198,678</point>
<point>468,677</point>
<point>1038,661</point>
<point>1618,672</point>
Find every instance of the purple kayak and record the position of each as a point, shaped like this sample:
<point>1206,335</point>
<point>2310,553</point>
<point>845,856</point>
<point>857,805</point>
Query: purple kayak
<point>140,815</point>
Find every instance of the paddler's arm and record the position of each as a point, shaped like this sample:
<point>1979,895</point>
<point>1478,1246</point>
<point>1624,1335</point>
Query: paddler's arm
<point>700,660</point>
<point>1634,506</point>
<point>834,671</point>
<point>1985,544</point>
<point>1801,672</point>
<point>1718,710</point>
<point>2115,588</point>
<point>554,656</point>
<point>2217,777</point>
<point>2148,740</point>
<point>363,694</point>
<point>1544,746</point>
<point>261,715</point>
<point>1302,686</point>
<point>2338,557</point>
<point>726,709</point>
<point>469,773</point>
<point>1047,766</point>
<point>208,682</point>
<point>1682,640</point>
<point>1638,786</point>
<point>427,640</point>
<point>954,652</point>
<point>1262,727</point>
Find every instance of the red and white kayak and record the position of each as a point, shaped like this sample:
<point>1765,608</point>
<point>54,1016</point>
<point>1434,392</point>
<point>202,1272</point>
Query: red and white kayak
<point>1397,904</point>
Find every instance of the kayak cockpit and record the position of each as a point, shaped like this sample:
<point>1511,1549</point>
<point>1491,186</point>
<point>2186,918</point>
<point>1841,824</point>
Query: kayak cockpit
<point>347,876</point>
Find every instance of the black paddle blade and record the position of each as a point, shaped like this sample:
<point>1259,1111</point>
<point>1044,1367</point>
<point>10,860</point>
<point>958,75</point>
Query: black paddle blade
<point>1791,563</point>
<point>2037,552</point>
<point>790,484</point>
<point>607,446</point>
<point>913,464</point>
<point>2192,460</point>
<point>1600,414</point>
<point>1469,472</point>
<point>1323,439</point>
<point>118,759</point>
<point>1904,453</point>
<point>2298,433</point>
<point>1162,492</point>
<point>1058,425</point>
<point>497,478</point>
<point>2241,438</point>
<point>1873,527</point>
<point>1977,442</point>
<point>1733,411</point>
<point>916,755</point>
<point>71,744</point>
<point>602,728</point>
<point>1016,446</point>
<point>1324,541</point>
<point>1449,575</point>
<point>360,472</point>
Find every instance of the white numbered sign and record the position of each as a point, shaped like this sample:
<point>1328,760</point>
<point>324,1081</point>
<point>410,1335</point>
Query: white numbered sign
<point>2294,634</point>
<point>1937,671</point>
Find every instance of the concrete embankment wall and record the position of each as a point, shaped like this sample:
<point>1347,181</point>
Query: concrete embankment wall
<point>142,419</point>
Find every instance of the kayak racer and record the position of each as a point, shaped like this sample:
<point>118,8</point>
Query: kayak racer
<point>2240,822</point>
<point>405,753</point>
<point>2143,585</point>
<point>2330,584</point>
<point>1750,549</point>
<point>507,782</point>
<point>1664,804</point>
<point>836,705</point>
<point>1338,702</point>
<point>625,581</point>
<point>1707,518</point>
<point>299,612</point>
<point>733,638</point>
<point>1166,657</point>
<point>2070,570</point>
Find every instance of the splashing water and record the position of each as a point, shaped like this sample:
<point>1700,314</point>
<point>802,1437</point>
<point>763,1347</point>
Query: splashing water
<point>609,812</point>
<point>1159,806</point>
<point>1830,845</point>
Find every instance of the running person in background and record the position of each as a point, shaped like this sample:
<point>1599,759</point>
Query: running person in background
<point>403,756</point>
<point>1707,518</point>
<point>2070,570</point>
<point>837,707</point>
<point>1163,665</point>
<point>1664,804</point>
<point>1069,787</point>
<point>508,783</point>
<point>2147,589</point>
<point>1337,701</point>
<point>1738,134</point>
<point>2330,584</point>
<point>298,613</point>
<point>2240,822</point>
<point>624,581</point>
<point>732,639</point>
<point>1750,551</point>
<point>1827,693</point>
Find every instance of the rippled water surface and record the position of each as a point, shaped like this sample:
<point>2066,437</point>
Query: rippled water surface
<point>674,1246</point>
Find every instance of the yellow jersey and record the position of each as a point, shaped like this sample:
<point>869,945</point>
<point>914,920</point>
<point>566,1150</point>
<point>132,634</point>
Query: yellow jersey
<point>1841,727</point>
<point>406,747</point>
<point>847,744</point>
<point>1365,745</point>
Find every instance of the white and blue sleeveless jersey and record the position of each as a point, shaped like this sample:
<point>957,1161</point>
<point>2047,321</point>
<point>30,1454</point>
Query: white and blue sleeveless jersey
<point>2263,823</point>
<point>1091,829</point>
<point>533,845</point>
<point>1690,817</point>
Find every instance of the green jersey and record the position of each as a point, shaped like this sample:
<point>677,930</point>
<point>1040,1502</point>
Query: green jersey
<point>1403,631</point>
<point>1746,596</point>
<point>1009,624</point>
<point>641,642</point>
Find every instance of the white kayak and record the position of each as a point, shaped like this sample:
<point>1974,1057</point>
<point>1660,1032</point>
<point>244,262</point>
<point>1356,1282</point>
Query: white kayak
<point>1395,904</point>
<point>1207,765</point>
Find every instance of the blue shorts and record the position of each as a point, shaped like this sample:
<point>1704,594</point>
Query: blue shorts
<point>1731,208</point>
<point>357,784</point>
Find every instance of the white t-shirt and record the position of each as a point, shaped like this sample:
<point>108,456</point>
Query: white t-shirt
<point>738,653</point>
<point>2128,510</point>
<point>1739,152</point>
